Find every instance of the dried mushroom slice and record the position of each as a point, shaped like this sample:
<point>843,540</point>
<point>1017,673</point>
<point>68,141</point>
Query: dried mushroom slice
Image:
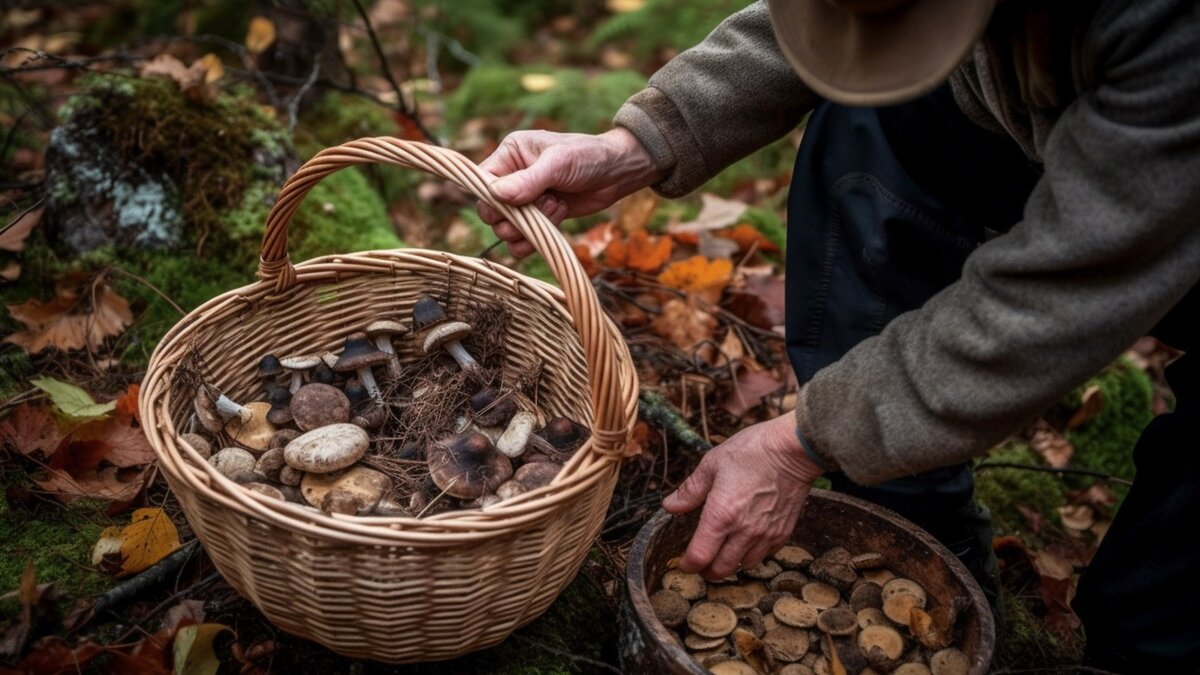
<point>793,557</point>
<point>822,667</point>
<point>868,561</point>
<point>767,602</point>
<point>711,619</point>
<point>871,616</point>
<point>732,667</point>
<point>785,643</point>
<point>789,581</point>
<point>770,623</point>
<point>882,645</point>
<point>700,643</point>
<point>753,620</point>
<point>866,595</point>
<point>736,597</point>
<point>795,612</point>
<point>796,669</point>
<point>832,572</point>
<point>899,607</point>
<point>908,586</point>
<point>689,586</point>
<point>838,554</point>
<point>750,649</point>
<point>820,595</point>
<point>764,570</point>
<point>670,608</point>
<point>837,621</point>
<point>712,655</point>
<point>911,669</point>
<point>879,576</point>
<point>949,662</point>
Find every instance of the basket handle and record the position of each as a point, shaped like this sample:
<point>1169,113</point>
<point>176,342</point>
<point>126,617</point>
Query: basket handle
<point>591,323</point>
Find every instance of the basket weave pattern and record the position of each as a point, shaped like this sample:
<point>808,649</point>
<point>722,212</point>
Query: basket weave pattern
<point>399,589</point>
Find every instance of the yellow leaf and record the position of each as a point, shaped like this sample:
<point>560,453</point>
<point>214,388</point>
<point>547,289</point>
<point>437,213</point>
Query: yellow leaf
<point>108,544</point>
<point>213,68</point>
<point>536,83</point>
<point>193,649</point>
<point>260,35</point>
<point>149,538</point>
<point>699,275</point>
<point>623,6</point>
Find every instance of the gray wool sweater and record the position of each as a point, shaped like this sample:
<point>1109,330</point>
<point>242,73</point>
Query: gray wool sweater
<point>1106,99</point>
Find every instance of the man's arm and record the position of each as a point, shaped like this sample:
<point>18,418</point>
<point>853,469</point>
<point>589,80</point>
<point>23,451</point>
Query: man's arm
<point>1110,241</point>
<point>717,102</point>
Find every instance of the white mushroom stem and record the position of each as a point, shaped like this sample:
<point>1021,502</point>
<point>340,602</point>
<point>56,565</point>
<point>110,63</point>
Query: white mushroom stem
<point>368,380</point>
<point>514,439</point>
<point>228,408</point>
<point>297,380</point>
<point>460,354</point>
<point>384,344</point>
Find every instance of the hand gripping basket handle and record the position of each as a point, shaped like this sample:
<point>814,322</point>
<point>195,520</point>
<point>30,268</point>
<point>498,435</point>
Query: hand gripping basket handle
<point>591,323</point>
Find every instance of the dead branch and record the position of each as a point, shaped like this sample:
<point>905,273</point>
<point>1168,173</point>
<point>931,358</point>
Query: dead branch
<point>1049,469</point>
<point>658,412</point>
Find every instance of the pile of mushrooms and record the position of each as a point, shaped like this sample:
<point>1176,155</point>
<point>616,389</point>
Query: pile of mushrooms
<point>305,440</point>
<point>799,615</point>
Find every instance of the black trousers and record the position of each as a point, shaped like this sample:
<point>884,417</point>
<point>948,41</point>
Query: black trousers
<point>885,206</point>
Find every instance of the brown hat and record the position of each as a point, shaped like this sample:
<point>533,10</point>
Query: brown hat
<point>877,52</point>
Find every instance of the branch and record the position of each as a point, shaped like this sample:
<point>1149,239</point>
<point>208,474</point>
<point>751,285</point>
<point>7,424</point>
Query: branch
<point>1049,469</point>
<point>402,106</point>
<point>134,587</point>
<point>657,411</point>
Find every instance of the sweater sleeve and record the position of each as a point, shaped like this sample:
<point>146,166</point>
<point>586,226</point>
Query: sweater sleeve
<point>1109,242</point>
<point>717,102</point>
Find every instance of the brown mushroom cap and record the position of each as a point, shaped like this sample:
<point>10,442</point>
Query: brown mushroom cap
<point>912,668</point>
<point>865,595</point>
<point>699,643</point>
<point>879,576</point>
<point>820,595</point>
<point>270,463</point>
<point>564,434</point>
<point>255,433</point>
<point>327,449</point>
<point>281,438</point>
<point>467,466</point>
<point>427,312</point>
<point>763,570</point>
<point>837,621</point>
<point>386,327</point>
<point>949,662</point>
<point>734,596</point>
<point>899,607</point>
<point>365,486</point>
<point>832,572</point>
<point>301,362</point>
<point>711,619</point>
<point>790,581</point>
<point>871,616</point>
<point>232,462</point>
<point>731,667</point>
<point>884,638</point>
<point>796,669</point>
<point>901,585</point>
<point>491,408</point>
<point>688,586</point>
<point>290,477</point>
<point>265,490</point>
<point>445,333</point>
<point>793,557</point>
<point>358,353</point>
<point>868,561</point>
<point>198,443</point>
<point>670,608</point>
<point>537,475</point>
<point>316,405</point>
<point>785,643</point>
<point>767,602</point>
<point>795,612</point>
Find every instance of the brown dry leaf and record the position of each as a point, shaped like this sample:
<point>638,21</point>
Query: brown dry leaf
<point>597,238</point>
<point>1092,402</point>
<point>1051,445</point>
<point>186,613</point>
<point>1079,517</point>
<point>637,440</point>
<point>751,386</point>
<point>758,299</point>
<point>634,211</point>
<point>31,429</point>
<point>715,247</point>
<point>11,271</point>
<point>107,459</point>
<point>746,236</point>
<point>213,68</point>
<point>52,655</point>
<point>260,35</point>
<point>13,236</point>
<point>639,252</point>
<point>684,324</point>
<point>715,213</point>
<point>166,65</point>
<point>127,404</point>
<point>926,630</point>
<point>699,275</point>
<point>69,321</point>
<point>1098,496</point>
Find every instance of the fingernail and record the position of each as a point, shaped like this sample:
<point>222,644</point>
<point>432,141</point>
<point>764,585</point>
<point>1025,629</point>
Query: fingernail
<point>504,188</point>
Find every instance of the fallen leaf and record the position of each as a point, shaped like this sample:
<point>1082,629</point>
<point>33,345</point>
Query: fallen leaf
<point>11,271</point>
<point>1077,517</point>
<point>597,238</point>
<point>107,547</point>
<point>639,252</point>
<point>107,484</point>
<point>715,213</point>
<point>750,388</point>
<point>1050,444</point>
<point>747,237</point>
<point>758,299</point>
<point>150,537</point>
<point>127,404</point>
<point>186,613</point>
<point>13,236</point>
<point>1091,403</point>
<point>107,459</point>
<point>536,83</point>
<point>52,655</point>
<point>715,247</point>
<point>684,324</point>
<point>166,65</point>
<point>193,649</point>
<point>260,35</point>
<point>699,275</point>
<point>68,322</point>
<point>72,402</point>
<point>634,211</point>
<point>31,429</point>
<point>213,68</point>
<point>636,444</point>
<point>586,261</point>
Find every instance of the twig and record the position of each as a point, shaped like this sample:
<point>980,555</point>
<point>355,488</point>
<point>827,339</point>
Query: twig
<point>294,104</point>
<point>656,410</point>
<point>134,587</point>
<point>137,625</point>
<point>151,286</point>
<point>402,105</point>
<point>567,655</point>
<point>439,496</point>
<point>1049,469</point>
<point>21,215</point>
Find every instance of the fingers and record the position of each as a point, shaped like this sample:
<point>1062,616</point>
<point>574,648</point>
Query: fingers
<point>550,170</point>
<point>693,491</point>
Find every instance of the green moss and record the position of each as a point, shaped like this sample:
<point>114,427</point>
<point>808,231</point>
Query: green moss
<point>1106,442</point>
<point>768,222</point>
<point>342,214</point>
<point>1026,639</point>
<point>645,32</point>
<point>1003,490</point>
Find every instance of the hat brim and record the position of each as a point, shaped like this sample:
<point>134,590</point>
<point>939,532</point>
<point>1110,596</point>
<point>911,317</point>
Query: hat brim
<point>880,58</point>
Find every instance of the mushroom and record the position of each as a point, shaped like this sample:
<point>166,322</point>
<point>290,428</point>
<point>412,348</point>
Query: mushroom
<point>819,595</point>
<point>358,356</point>
<point>766,569</point>
<point>879,576</point>
<point>280,412</point>
<point>372,417</point>
<point>690,586</point>
<point>270,464</point>
<point>298,365</point>
<point>949,662</point>
<point>794,612</point>
<point>788,581</point>
<point>381,332</point>
<point>253,433</point>
<point>711,619</point>
<point>426,313</point>
<point>446,336</point>
<point>266,490</point>
<point>882,645</point>
<point>355,491</point>
<point>289,476</point>
<point>832,572</point>
<point>564,434</point>
<point>868,561</point>
<point>837,621</point>
<point>670,608</point>
<point>390,508</point>
<point>214,411</point>
<point>490,408</point>
<point>793,557</point>
<point>796,669</point>
<point>232,462</point>
<point>516,436</point>
<point>864,595</point>
<point>785,643</point>
<point>900,596</point>
<point>871,616</point>
<point>912,668</point>
<point>700,643</point>
<point>326,449</point>
<point>467,466</point>
<point>735,596</point>
<point>529,478</point>
<point>198,443</point>
<point>731,667</point>
<point>268,369</point>
<point>322,373</point>
<point>355,392</point>
<point>281,438</point>
<point>316,405</point>
<point>766,602</point>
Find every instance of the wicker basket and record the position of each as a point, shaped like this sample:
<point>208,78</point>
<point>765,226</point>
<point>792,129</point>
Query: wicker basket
<point>399,589</point>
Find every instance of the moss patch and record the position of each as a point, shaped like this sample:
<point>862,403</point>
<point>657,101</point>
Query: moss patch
<point>1003,490</point>
<point>1106,443</point>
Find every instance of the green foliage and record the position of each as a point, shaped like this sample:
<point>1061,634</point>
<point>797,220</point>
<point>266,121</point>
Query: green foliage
<point>648,29</point>
<point>1003,490</point>
<point>1026,639</point>
<point>1106,442</point>
<point>578,101</point>
<point>768,222</point>
<point>342,214</point>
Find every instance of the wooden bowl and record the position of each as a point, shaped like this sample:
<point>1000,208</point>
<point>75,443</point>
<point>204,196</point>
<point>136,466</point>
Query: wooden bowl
<point>830,519</point>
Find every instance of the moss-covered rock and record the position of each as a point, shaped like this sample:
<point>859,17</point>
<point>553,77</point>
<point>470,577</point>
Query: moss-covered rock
<point>1004,490</point>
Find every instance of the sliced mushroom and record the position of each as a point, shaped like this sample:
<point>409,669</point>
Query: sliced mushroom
<point>467,466</point>
<point>298,366</point>
<point>871,616</point>
<point>767,602</point>
<point>793,557</point>
<point>785,643</point>
<point>447,336</point>
<point>670,608</point>
<point>689,586</point>
<point>233,462</point>
<point>711,619</point>
<point>254,433</point>
<point>866,594</point>
<point>700,643</point>
<point>789,581</point>
<point>327,449</point>
<point>820,595</point>
<point>949,662</point>
<point>796,669</point>
<point>832,572</point>
<point>868,561</point>
<point>359,356</point>
<point>731,667</point>
<point>359,490</point>
<point>837,621</point>
<point>735,597</point>
<point>911,668</point>
<point>316,405</point>
<point>265,490</point>
<point>198,443</point>
<point>764,570</point>
<point>879,576</point>
<point>270,463</point>
<point>490,408</point>
<point>750,648</point>
<point>382,332</point>
<point>882,645</point>
<point>900,596</point>
<point>795,612</point>
<point>516,436</point>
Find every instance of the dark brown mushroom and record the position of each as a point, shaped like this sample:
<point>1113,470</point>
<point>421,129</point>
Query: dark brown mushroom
<point>198,443</point>
<point>670,608</point>
<point>382,332</point>
<point>298,366</point>
<point>564,434</point>
<point>426,313</point>
<point>270,463</point>
<point>316,405</point>
<point>359,356</point>
<point>269,368</point>
<point>490,408</point>
<point>467,466</point>
<point>327,449</point>
<point>280,412</point>
<point>528,478</point>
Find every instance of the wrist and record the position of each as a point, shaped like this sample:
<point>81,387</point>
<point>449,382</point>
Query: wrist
<point>795,447</point>
<point>634,163</point>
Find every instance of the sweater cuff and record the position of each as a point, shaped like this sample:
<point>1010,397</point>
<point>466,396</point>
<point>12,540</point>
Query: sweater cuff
<point>802,422</point>
<point>659,126</point>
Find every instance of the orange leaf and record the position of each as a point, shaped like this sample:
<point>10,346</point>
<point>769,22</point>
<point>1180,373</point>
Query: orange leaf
<point>127,403</point>
<point>637,440</point>
<point>108,459</point>
<point>747,237</point>
<point>634,211</point>
<point>589,264</point>
<point>596,238</point>
<point>699,275</point>
<point>260,35</point>
<point>684,324</point>
<point>639,252</point>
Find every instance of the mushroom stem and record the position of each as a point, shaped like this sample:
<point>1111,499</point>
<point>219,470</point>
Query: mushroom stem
<point>368,380</point>
<point>297,381</point>
<point>384,344</point>
<point>460,354</point>
<point>228,408</point>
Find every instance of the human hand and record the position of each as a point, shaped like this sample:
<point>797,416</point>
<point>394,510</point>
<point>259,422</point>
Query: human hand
<point>564,175</point>
<point>753,487</point>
